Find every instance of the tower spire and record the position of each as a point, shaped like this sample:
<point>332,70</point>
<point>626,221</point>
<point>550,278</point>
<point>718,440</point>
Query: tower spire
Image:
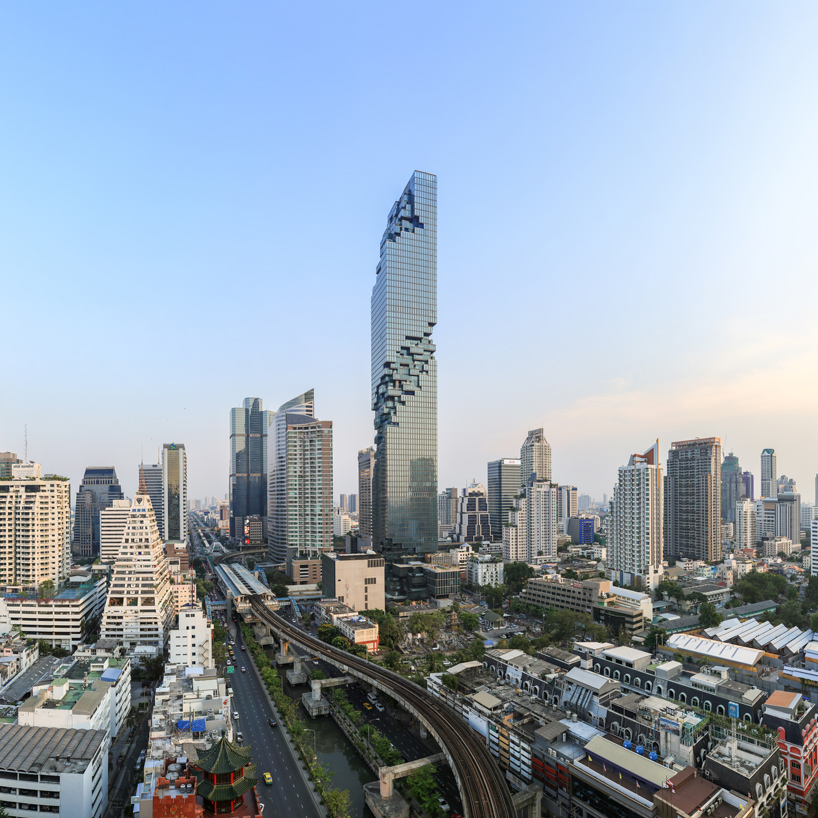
<point>143,489</point>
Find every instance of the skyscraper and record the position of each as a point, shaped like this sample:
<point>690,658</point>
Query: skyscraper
<point>567,506</point>
<point>733,486</point>
<point>503,486</point>
<point>404,379</point>
<point>635,538</point>
<point>693,499</point>
<point>174,492</point>
<point>788,516</point>
<point>300,480</point>
<point>769,473</point>
<point>745,524</point>
<point>35,527</point>
<point>9,459</point>
<point>99,488</point>
<point>473,515</point>
<point>352,503</point>
<point>112,523</point>
<point>447,501</point>
<point>530,533</point>
<point>535,458</point>
<point>366,461</point>
<point>152,477</point>
<point>249,429</point>
<point>342,502</point>
<point>749,485</point>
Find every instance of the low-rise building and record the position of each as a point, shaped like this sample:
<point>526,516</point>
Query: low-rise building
<point>58,619</point>
<point>191,641</point>
<point>360,631</point>
<point>48,769</point>
<point>354,579</point>
<point>483,569</point>
<point>109,663</point>
<point>56,703</point>
<point>690,795</point>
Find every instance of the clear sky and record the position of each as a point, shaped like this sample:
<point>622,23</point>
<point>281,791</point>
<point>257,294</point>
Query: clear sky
<point>192,197</point>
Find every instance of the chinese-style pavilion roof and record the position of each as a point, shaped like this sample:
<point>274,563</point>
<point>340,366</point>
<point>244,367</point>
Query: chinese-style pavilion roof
<point>224,757</point>
<point>225,792</point>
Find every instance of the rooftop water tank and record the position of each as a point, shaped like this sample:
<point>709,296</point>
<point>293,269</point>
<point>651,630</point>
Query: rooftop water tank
<point>627,745</point>
<point>640,750</point>
<point>653,757</point>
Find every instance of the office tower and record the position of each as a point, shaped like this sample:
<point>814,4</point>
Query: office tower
<point>352,503</point>
<point>530,534</point>
<point>749,485</point>
<point>139,608</point>
<point>807,515</point>
<point>404,379</point>
<point>99,488</point>
<point>152,477</point>
<point>342,502</point>
<point>745,515</point>
<point>112,522</point>
<point>732,487</point>
<point>357,580</point>
<point>585,501</point>
<point>503,486</point>
<point>300,480</point>
<point>249,430</point>
<point>693,499</point>
<point>35,527</point>
<point>174,492</point>
<point>366,461</point>
<point>447,503</point>
<point>9,459</point>
<point>473,515</point>
<point>768,473</point>
<point>535,458</point>
<point>765,518</point>
<point>788,516</point>
<point>566,506</point>
<point>635,528</point>
<point>786,484</point>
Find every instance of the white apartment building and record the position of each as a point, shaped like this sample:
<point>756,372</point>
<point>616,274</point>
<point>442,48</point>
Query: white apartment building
<point>58,619</point>
<point>765,519</point>
<point>484,570</point>
<point>112,521</point>
<point>635,528</point>
<point>531,532</point>
<point>107,662</point>
<point>139,608</point>
<point>62,771</point>
<point>807,515</point>
<point>191,641</point>
<point>342,522</point>
<point>746,533</point>
<point>35,528</point>
<point>568,506</point>
<point>55,703</point>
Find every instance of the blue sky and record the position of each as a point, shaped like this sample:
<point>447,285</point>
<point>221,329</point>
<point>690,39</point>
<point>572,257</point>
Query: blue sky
<point>192,197</point>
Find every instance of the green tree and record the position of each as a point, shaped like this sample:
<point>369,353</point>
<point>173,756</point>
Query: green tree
<point>516,575</point>
<point>341,642</point>
<point>669,590</point>
<point>47,589</point>
<point>434,661</point>
<point>493,594</point>
<point>326,633</point>
<point>422,786</point>
<point>709,617</point>
<point>468,621</point>
<point>476,649</point>
<point>757,587</point>
<point>392,660</point>
<point>519,642</point>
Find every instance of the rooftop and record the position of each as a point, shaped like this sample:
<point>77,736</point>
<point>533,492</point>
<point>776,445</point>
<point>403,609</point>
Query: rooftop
<point>47,749</point>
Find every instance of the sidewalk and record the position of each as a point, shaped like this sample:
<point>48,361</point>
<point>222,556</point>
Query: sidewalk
<point>290,743</point>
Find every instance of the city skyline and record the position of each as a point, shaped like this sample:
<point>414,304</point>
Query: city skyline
<point>685,186</point>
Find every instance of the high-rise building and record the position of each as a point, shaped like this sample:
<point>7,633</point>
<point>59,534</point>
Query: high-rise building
<point>535,458</point>
<point>786,484</point>
<point>567,505</point>
<point>112,522</point>
<point>473,515</point>
<point>732,487</point>
<point>816,489</point>
<point>693,499</point>
<point>366,462</point>
<point>300,480</point>
<point>530,534</point>
<point>174,492</point>
<point>503,486</point>
<point>813,537</point>
<point>807,515</point>
<point>635,529</point>
<point>352,503</point>
<point>357,580</point>
<point>99,488</point>
<point>749,485</point>
<point>745,515</point>
<point>35,528</point>
<point>9,459</point>
<point>788,516</point>
<point>342,502</point>
<point>769,474</point>
<point>404,379</point>
<point>249,429</point>
<point>152,476</point>
<point>139,608</point>
<point>447,503</point>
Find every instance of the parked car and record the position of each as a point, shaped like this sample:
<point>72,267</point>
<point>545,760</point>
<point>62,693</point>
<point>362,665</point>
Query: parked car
<point>444,804</point>
<point>235,714</point>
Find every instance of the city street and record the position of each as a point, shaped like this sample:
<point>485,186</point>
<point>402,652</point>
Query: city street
<point>288,795</point>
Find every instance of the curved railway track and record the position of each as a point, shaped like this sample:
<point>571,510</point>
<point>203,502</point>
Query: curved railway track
<point>482,786</point>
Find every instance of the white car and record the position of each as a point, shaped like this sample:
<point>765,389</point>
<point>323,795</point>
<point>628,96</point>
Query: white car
<point>235,714</point>
<point>444,804</point>
<point>379,707</point>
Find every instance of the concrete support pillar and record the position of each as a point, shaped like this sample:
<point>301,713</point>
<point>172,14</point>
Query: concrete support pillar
<point>387,782</point>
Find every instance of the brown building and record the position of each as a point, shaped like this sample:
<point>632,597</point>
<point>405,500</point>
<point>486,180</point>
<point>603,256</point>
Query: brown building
<point>177,555</point>
<point>356,580</point>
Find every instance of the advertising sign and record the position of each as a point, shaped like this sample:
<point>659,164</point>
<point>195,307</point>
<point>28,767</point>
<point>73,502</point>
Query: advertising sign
<point>732,710</point>
<point>669,726</point>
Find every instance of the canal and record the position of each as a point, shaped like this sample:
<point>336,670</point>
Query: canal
<point>334,749</point>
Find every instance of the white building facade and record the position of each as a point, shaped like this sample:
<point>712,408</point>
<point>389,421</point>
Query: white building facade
<point>112,522</point>
<point>484,570</point>
<point>531,532</point>
<point>191,641</point>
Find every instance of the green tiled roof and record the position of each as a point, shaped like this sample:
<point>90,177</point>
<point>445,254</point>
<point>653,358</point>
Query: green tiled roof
<point>226,792</point>
<point>224,757</point>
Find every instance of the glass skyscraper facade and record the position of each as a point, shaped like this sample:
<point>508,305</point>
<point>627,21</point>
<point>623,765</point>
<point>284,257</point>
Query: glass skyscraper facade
<point>99,488</point>
<point>174,492</point>
<point>503,487</point>
<point>249,427</point>
<point>404,379</point>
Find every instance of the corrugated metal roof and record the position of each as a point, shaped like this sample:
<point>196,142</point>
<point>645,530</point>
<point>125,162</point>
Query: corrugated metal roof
<point>641,766</point>
<point>586,678</point>
<point>714,649</point>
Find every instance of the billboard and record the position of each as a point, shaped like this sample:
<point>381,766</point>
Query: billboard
<point>732,710</point>
<point>669,726</point>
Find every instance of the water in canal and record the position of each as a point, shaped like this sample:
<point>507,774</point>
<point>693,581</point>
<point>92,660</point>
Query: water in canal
<point>334,749</point>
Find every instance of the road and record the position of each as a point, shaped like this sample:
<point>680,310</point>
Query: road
<point>289,795</point>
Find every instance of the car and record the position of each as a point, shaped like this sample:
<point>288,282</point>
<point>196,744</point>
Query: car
<point>235,714</point>
<point>367,705</point>
<point>268,779</point>
<point>240,738</point>
<point>272,722</point>
<point>379,707</point>
<point>456,815</point>
<point>242,647</point>
<point>444,804</point>
<point>244,670</point>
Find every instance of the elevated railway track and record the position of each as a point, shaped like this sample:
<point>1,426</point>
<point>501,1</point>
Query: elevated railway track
<point>481,783</point>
